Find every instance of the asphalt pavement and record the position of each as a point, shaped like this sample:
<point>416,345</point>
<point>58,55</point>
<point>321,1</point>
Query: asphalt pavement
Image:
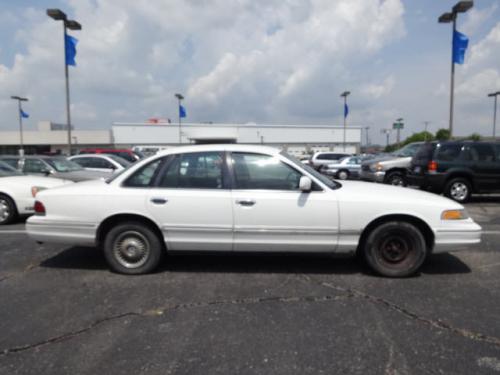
<point>63,312</point>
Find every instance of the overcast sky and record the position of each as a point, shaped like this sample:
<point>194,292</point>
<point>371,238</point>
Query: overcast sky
<point>262,61</point>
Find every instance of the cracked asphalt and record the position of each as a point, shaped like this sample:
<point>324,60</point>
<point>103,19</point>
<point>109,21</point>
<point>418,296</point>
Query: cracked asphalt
<point>63,312</point>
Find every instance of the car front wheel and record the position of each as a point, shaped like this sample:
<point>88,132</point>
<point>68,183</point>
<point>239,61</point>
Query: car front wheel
<point>132,248</point>
<point>343,175</point>
<point>458,189</point>
<point>8,210</point>
<point>395,249</point>
<point>396,179</point>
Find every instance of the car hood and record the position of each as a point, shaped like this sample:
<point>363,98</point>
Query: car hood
<point>385,158</point>
<point>382,194</point>
<point>83,175</point>
<point>35,181</point>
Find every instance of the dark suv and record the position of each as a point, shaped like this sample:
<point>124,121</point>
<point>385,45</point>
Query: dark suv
<point>457,168</point>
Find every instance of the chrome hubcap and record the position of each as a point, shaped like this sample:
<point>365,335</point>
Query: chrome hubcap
<point>343,175</point>
<point>131,249</point>
<point>459,191</point>
<point>396,181</point>
<point>4,210</point>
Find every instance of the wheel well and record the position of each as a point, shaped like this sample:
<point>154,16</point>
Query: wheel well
<point>11,199</point>
<point>111,221</point>
<point>464,175</point>
<point>419,223</point>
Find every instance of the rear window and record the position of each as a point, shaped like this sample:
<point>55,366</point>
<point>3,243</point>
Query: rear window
<point>448,152</point>
<point>425,152</point>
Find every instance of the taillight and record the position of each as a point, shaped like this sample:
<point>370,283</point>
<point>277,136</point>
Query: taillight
<point>39,208</point>
<point>432,166</point>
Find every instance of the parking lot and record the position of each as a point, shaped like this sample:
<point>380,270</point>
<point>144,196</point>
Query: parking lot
<point>64,312</point>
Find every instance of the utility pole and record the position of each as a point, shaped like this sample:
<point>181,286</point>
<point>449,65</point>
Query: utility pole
<point>426,124</point>
<point>494,94</point>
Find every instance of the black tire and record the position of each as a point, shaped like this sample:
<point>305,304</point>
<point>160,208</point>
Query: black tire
<point>8,210</point>
<point>459,189</point>
<point>141,254</point>
<point>342,174</point>
<point>396,178</point>
<point>395,249</point>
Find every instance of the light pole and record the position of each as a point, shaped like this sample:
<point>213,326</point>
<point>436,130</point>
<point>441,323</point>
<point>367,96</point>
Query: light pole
<point>59,15</point>
<point>180,98</point>
<point>366,134</point>
<point>494,94</point>
<point>426,124</point>
<point>387,133</point>
<point>19,112</point>
<point>398,125</point>
<point>345,94</point>
<point>460,7</point>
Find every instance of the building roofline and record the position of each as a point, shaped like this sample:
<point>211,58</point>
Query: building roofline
<point>235,125</point>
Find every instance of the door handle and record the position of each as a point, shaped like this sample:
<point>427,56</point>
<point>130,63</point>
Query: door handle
<point>245,202</point>
<point>159,200</point>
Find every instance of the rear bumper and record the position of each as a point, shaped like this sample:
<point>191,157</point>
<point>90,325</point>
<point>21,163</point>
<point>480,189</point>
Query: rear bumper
<point>457,238</point>
<point>372,176</point>
<point>43,230</point>
<point>433,182</point>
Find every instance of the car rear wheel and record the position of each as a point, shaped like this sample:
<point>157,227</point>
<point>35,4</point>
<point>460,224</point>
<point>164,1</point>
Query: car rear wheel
<point>132,248</point>
<point>459,189</point>
<point>343,175</point>
<point>395,249</point>
<point>8,211</point>
<point>395,178</point>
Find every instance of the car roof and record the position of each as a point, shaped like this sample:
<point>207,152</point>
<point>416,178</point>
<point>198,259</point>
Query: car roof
<point>221,147</point>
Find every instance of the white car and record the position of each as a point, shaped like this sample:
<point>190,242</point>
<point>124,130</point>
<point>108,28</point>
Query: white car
<point>247,199</point>
<point>17,192</point>
<point>100,162</point>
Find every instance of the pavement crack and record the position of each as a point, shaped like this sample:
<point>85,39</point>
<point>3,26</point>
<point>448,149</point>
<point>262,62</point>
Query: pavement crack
<point>439,324</point>
<point>169,308</point>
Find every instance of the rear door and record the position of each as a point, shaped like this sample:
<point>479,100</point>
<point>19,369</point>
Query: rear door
<point>192,201</point>
<point>484,166</point>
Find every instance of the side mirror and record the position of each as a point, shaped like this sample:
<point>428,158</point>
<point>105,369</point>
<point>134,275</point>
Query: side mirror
<point>305,184</point>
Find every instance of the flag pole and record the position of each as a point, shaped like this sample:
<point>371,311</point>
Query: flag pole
<point>21,149</point>
<point>66,75</point>
<point>452,83</point>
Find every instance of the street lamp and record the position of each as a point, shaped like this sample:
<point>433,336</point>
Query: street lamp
<point>426,124</point>
<point>387,133</point>
<point>19,112</point>
<point>180,98</point>
<point>494,94</point>
<point>460,7</point>
<point>366,134</point>
<point>59,15</point>
<point>345,94</point>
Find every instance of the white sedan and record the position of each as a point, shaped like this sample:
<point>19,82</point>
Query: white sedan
<point>17,192</point>
<point>247,199</point>
<point>101,162</point>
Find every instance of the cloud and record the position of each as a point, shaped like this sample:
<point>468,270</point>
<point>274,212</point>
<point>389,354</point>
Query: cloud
<point>477,17</point>
<point>376,91</point>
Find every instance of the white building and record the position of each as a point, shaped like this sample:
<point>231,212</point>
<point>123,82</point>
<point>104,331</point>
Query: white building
<point>296,139</point>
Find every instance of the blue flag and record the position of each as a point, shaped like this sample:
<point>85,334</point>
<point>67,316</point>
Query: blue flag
<point>460,43</point>
<point>70,49</point>
<point>182,111</point>
<point>346,110</point>
<point>24,114</point>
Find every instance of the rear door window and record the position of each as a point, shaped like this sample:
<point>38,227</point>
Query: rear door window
<point>482,152</point>
<point>144,176</point>
<point>448,152</point>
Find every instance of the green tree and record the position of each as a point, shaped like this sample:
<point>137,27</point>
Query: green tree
<point>419,137</point>
<point>474,137</point>
<point>443,134</point>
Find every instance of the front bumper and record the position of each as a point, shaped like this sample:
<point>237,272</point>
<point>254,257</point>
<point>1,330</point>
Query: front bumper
<point>457,236</point>
<point>372,176</point>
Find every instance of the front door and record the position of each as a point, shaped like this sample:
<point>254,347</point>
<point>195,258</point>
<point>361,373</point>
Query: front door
<point>193,203</point>
<point>272,214</point>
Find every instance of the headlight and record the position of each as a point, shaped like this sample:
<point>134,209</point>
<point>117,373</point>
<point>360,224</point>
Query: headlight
<point>454,215</point>
<point>36,189</point>
<point>377,167</point>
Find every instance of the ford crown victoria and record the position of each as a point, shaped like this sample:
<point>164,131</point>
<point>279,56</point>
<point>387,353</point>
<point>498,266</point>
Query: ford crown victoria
<point>247,199</point>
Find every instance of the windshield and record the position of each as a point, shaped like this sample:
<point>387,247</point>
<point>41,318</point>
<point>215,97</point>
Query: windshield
<point>408,150</point>
<point>331,184</point>
<point>124,163</point>
<point>6,170</point>
<point>64,165</point>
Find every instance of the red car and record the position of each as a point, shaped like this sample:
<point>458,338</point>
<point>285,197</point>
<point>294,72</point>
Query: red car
<point>124,153</point>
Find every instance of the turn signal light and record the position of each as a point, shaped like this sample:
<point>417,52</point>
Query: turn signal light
<point>454,215</point>
<point>39,208</point>
<point>432,166</point>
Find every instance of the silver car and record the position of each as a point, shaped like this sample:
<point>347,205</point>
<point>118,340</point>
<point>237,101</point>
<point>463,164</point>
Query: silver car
<point>54,166</point>
<point>347,167</point>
